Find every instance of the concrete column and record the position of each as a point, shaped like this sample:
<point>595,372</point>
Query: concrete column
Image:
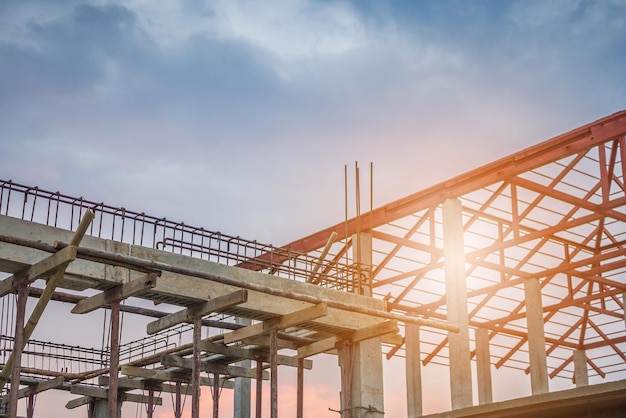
<point>101,409</point>
<point>456,304</point>
<point>413,371</point>
<point>536,337</point>
<point>367,358</point>
<point>581,376</point>
<point>483,366</point>
<point>242,385</point>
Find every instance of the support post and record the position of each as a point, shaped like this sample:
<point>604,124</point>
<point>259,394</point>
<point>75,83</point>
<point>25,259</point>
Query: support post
<point>178,405</point>
<point>259,388</point>
<point>344,350</point>
<point>114,360</point>
<point>456,305</point>
<point>195,372</point>
<point>30,406</point>
<point>18,346</point>
<point>300,389</point>
<point>216,395</point>
<point>581,375</point>
<point>91,408</point>
<point>413,371</point>
<point>242,385</point>
<point>274,373</point>
<point>150,403</point>
<point>536,337</point>
<point>483,366</point>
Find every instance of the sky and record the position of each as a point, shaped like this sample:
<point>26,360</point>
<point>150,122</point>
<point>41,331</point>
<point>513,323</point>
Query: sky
<point>239,116</point>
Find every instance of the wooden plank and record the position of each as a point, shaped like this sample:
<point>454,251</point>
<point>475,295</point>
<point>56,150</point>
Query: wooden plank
<point>373,331</point>
<point>125,397</point>
<point>392,339</point>
<point>264,341</point>
<point>101,393</point>
<point>318,347</point>
<point>205,366</point>
<point>40,269</point>
<point>36,388</point>
<point>362,334</point>
<point>250,354</point>
<point>281,322</point>
<point>91,391</point>
<point>141,384</point>
<point>198,310</point>
<point>120,292</point>
<point>144,384</point>
<point>170,375</point>
<point>78,402</point>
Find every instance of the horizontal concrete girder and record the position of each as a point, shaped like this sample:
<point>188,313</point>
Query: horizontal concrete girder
<point>186,289</point>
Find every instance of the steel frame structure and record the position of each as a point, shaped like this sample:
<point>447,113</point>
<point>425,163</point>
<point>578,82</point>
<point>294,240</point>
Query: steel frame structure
<point>555,211</point>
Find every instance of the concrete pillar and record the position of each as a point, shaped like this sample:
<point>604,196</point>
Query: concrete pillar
<point>413,371</point>
<point>483,366</point>
<point>456,304</point>
<point>536,337</point>
<point>367,357</point>
<point>101,409</point>
<point>581,376</point>
<point>242,385</point>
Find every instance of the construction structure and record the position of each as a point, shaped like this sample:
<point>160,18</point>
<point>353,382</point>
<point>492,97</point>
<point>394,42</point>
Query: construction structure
<point>518,265</point>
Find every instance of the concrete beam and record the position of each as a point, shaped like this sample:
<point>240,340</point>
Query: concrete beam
<point>186,288</point>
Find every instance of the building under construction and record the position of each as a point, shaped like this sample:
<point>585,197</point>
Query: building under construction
<point>519,264</point>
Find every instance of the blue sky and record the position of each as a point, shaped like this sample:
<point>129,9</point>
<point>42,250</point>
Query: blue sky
<point>239,116</point>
